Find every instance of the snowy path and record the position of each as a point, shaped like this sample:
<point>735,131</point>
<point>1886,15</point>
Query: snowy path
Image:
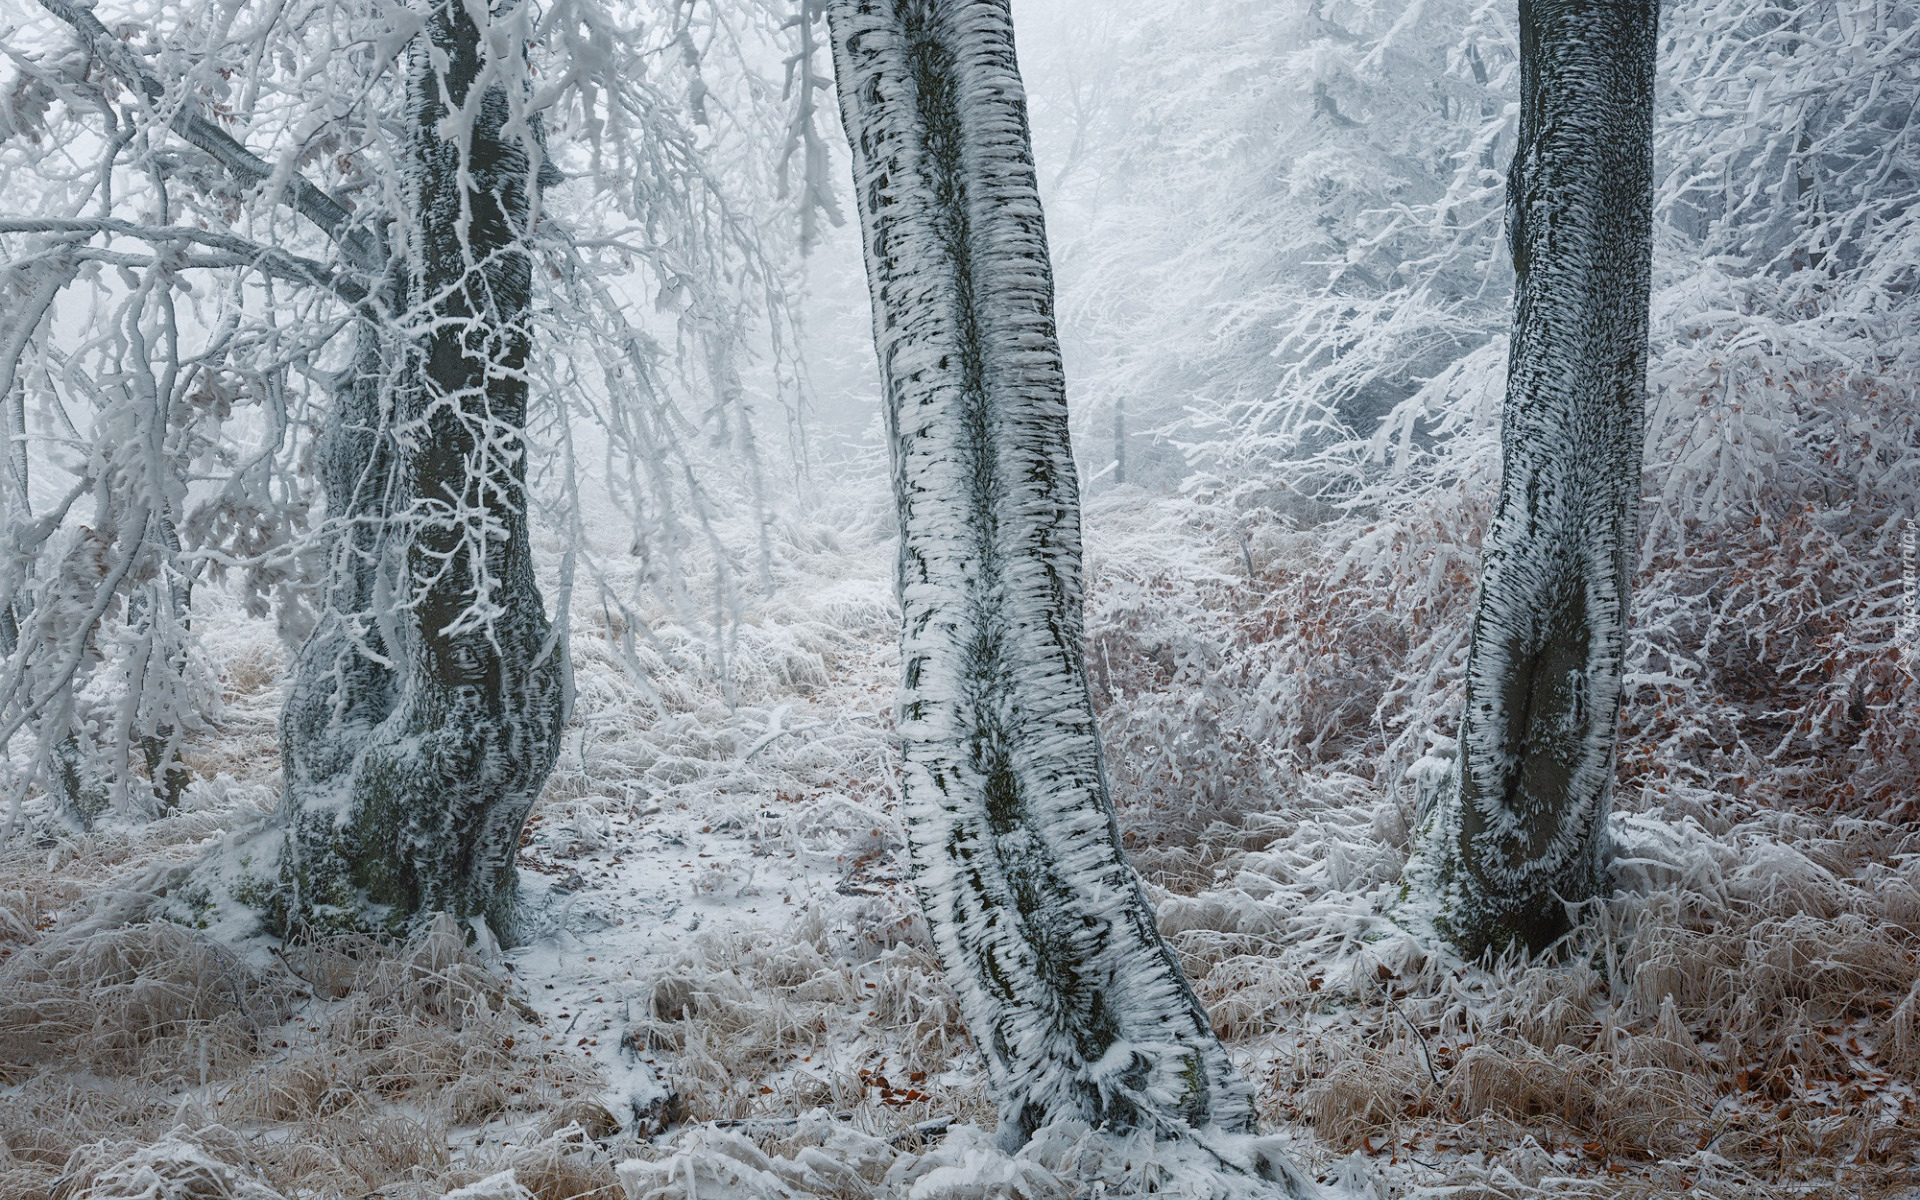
<point>630,897</point>
<point>721,832</point>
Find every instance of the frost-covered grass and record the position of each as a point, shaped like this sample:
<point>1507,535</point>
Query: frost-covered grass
<point>722,942</point>
<point>1737,1019</point>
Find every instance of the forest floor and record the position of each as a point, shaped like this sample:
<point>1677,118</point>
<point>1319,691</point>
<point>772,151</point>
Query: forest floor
<point>724,988</point>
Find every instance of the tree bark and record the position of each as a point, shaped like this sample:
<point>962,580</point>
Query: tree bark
<point>461,676</point>
<point>345,682</point>
<point>1522,830</point>
<point>1076,1002</point>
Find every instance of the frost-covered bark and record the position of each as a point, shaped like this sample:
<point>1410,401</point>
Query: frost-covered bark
<point>344,684</point>
<point>1523,827</point>
<point>1076,1002</point>
<point>425,812</point>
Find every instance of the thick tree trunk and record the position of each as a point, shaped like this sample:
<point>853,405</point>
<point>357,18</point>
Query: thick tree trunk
<point>345,684</point>
<point>1522,829</point>
<point>418,741</point>
<point>1076,1002</point>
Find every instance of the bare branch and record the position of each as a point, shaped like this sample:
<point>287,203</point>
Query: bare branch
<point>238,251</point>
<point>359,245</point>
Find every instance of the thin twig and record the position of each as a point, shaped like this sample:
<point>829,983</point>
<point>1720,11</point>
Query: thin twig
<point>1427,1057</point>
<point>360,245</point>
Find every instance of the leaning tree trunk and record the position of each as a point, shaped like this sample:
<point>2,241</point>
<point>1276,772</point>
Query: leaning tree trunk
<point>1522,830</point>
<point>1076,1002</point>
<point>419,739</point>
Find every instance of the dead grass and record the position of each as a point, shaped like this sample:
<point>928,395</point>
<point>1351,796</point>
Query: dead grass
<point>27,907</point>
<point>148,1002</point>
<point>1758,1027</point>
<point>151,1063</point>
<point>425,1024</point>
<point>750,1028</point>
<point>567,1168</point>
<point>208,1163</point>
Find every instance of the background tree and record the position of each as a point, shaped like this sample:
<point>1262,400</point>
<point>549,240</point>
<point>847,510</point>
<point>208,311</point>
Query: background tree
<point>1521,831</point>
<point>1350,155</point>
<point>1077,1004</point>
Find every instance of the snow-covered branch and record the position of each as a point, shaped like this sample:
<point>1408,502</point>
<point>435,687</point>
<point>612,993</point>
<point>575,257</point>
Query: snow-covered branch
<point>361,246</point>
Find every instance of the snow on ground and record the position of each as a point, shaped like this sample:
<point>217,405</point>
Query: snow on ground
<point>725,986</point>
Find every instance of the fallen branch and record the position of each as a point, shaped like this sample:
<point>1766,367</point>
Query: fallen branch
<point>923,1132</point>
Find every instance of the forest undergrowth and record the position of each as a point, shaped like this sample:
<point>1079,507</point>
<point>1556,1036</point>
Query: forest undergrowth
<point>1741,1018</point>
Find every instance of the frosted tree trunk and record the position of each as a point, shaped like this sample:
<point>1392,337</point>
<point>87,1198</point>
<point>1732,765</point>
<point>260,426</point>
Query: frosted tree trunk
<point>425,735</point>
<point>1077,1004</point>
<point>345,684</point>
<point>1523,828</point>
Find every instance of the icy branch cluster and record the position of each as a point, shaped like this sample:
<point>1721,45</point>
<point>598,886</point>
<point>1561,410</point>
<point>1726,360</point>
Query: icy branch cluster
<point>203,202</point>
